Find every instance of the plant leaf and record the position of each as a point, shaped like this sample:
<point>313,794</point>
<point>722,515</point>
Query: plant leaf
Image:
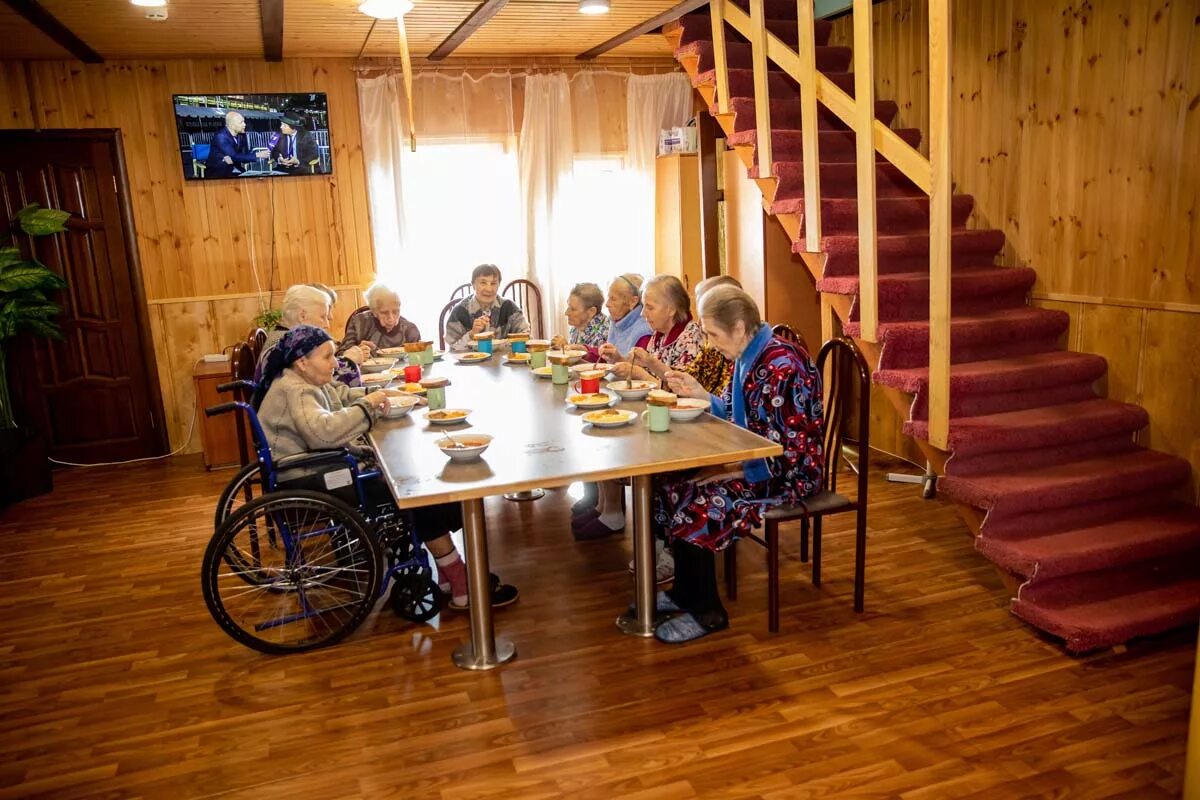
<point>9,255</point>
<point>29,276</point>
<point>38,221</point>
<point>42,328</point>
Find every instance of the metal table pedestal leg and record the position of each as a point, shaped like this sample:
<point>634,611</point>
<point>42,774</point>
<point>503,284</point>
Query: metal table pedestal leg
<point>528,494</point>
<point>642,622</point>
<point>484,651</point>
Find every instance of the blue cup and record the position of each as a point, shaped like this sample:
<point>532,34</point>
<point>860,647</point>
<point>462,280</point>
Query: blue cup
<point>484,345</point>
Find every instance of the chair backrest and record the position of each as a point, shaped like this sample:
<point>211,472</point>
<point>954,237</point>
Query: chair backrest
<point>787,333</point>
<point>200,151</point>
<point>256,339</point>
<point>528,298</point>
<point>242,362</point>
<point>461,293</point>
<point>842,366</point>
<point>442,317</point>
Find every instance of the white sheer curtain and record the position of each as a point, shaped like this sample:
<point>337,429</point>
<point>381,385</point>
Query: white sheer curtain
<point>547,158</point>
<point>383,137</point>
<point>653,102</point>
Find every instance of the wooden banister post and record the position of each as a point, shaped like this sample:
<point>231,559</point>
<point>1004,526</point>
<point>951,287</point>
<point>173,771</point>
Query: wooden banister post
<point>762,89</point>
<point>939,223</point>
<point>864,129</point>
<point>716,9</point>
<point>806,18</point>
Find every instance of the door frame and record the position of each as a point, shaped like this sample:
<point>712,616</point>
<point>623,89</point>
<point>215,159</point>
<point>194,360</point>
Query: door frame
<point>111,137</point>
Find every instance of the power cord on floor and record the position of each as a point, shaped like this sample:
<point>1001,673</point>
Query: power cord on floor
<point>175,452</point>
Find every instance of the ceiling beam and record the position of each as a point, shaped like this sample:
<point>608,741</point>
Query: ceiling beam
<point>272,29</point>
<point>649,26</point>
<point>48,24</point>
<point>476,20</point>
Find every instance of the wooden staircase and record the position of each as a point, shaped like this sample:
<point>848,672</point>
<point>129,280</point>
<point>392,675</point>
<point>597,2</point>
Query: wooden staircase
<point>1083,523</point>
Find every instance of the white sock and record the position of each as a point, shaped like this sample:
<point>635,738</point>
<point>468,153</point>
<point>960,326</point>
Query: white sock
<point>613,519</point>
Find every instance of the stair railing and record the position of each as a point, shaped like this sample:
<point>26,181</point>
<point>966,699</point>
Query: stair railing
<point>931,175</point>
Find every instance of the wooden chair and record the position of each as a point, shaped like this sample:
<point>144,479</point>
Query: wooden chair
<point>786,332</point>
<point>846,367</point>
<point>461,293</point>
<point>446,309</point>
<point>256,340</point>
<point>528,298</point>
<point>242,363</point>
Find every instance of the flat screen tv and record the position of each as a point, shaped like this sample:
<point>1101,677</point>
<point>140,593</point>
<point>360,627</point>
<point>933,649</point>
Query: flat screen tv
<point>233,136</point>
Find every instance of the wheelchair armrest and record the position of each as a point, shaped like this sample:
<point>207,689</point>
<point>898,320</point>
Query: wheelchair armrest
<point>311,459</point>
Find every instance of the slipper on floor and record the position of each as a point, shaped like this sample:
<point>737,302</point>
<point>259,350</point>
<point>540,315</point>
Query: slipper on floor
<point>687,628</point>
<point>503,594</point>
<point>592,529</point>
<point>663,604</point>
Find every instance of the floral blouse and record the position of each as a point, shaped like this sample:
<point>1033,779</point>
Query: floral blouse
<point>593,334</point>
<point>678,348</point>
<point>712,370</point>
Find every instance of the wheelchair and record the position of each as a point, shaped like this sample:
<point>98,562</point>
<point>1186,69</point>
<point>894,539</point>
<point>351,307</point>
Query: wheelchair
<point>297,563</point>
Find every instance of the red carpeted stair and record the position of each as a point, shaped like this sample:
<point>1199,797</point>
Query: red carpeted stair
<point>1091,521</point>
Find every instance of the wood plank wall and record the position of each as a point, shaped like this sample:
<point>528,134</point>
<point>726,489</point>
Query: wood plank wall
<point>1076,127</point>
<point>206,248</point>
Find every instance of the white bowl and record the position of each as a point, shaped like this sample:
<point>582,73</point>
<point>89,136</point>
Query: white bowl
<point>377,380</point>
<point>399,406</point>
<point>632,390</point>
<point>373,365</point>
<point>467,447</point>
<point>688,408</point>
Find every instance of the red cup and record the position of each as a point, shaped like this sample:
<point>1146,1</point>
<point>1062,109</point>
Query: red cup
<point>412,373</point>
<point>588,386</point>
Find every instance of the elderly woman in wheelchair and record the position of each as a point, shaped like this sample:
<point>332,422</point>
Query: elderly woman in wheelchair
<point>301,565</point>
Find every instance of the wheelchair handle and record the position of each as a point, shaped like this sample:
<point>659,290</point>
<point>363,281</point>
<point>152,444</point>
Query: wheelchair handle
<point>223,408</point>
<point>228,387</point>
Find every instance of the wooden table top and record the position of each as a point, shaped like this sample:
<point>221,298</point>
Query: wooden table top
<point>540,440</point>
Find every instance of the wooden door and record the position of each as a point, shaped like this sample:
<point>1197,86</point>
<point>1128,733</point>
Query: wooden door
<point>94,395</point>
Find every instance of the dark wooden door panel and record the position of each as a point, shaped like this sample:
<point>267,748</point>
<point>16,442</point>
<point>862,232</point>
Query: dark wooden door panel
<point>93,394</point>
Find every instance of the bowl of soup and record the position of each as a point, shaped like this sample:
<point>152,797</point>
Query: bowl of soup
<point>399,405</point>
<point>373,365</point>
<point>466,447</point>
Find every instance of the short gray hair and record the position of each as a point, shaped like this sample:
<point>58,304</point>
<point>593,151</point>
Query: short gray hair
<point>300,298</point>
<point>671,290</point>
<point>379,292</point>
<point>631,282</point>
<point>725,305</point>
<point>589,294</point>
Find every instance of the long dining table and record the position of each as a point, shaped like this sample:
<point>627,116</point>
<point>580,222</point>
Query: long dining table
<point>540,440</point>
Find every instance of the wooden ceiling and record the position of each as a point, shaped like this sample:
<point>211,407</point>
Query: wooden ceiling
<point>313,28</point>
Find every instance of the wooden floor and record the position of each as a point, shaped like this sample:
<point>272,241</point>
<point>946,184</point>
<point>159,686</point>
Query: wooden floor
<point>114,682</point>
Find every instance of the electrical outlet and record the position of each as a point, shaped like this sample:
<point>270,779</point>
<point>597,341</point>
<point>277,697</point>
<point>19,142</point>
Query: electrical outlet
<point>215,358</point>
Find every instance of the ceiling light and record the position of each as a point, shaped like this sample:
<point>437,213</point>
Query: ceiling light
<point>593,6</point>
<point>386,9</point>
<point>149,3</point>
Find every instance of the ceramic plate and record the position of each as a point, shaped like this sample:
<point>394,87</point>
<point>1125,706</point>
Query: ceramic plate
<point>447,416</point>
<point>597,400</point>
<point>472,358</point>
<point>610,417</point>
<point>542,372</point>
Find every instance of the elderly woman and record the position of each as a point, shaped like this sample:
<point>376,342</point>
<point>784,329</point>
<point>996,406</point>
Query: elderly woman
<point>302,408</point>
<point>305,304</point>
<point>776,393</point>
<point>483,311</point>
<point>628,326</point>
<point>710,368</point>
<point>675,339</point>
<point>589,326</point>
<point>380,325</point>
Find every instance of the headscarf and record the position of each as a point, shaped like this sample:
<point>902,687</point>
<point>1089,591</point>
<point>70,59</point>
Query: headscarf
<point>295,344</point>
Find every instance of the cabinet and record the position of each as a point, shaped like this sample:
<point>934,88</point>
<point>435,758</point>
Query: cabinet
<point>217,434</point>
<point>678,237</point>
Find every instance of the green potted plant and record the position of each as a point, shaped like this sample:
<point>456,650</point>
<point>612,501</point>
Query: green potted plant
<point>25,307</point>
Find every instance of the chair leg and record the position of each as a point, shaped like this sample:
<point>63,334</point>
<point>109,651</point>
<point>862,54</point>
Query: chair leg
<point>804,540</point>
<point>860,558</point>
<point>731,570</point>
<point>816,552</point>
<point>773,576</point>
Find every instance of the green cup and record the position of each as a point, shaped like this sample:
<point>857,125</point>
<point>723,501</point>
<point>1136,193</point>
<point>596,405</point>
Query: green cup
<point>427,356</point>
<point>436,397</point>
<point>560,373</point>
<point>414,359</point>
<point>537,359</point>
<point>658,418</point>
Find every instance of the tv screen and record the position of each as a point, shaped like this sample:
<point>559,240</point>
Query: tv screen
<point>223,136</point>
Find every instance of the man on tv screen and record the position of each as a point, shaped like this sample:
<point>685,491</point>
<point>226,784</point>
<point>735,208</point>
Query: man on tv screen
<point>230,150</point>
<point>293,148</point>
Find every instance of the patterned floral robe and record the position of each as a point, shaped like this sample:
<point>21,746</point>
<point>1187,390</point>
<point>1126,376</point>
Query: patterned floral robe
<point>783,394</point>
<point>591,335</point>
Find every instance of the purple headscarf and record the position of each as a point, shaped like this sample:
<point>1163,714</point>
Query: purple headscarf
<point>295,344</point>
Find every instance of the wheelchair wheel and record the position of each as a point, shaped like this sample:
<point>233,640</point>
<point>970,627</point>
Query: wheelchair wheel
<point>415,596</point>
<point>245,486</point>
<point>312,590</point>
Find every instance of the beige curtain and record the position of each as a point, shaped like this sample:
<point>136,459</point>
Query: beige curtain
<point>546,157</point>
<point>384,136</point>
<point>653,102</point>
